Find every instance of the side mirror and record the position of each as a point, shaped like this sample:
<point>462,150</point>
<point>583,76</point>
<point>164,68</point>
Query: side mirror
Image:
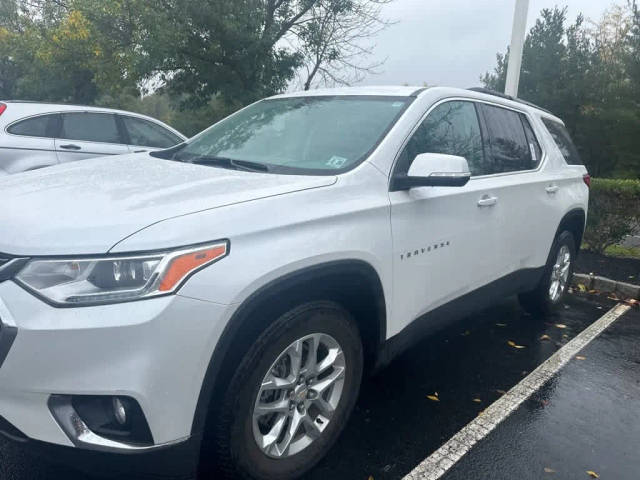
<point>433,170</point>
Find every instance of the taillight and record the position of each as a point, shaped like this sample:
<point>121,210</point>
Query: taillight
<point>586,178</point>
<point>3,107</point>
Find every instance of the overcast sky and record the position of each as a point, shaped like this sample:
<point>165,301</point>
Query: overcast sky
<point>453,42</point>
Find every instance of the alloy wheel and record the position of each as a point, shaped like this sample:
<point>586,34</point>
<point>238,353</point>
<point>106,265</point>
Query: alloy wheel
<point>299,395</point>
<point>560,273</point>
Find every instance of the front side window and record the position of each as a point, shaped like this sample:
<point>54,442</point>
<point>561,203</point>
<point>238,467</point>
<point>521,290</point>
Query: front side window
<point>451,128</point>
<point>40,126</point>
<point>508,143</point>
<point>90,127</point>
<point>311,134</point>
<point>148,134</point>
<point>563,141</point>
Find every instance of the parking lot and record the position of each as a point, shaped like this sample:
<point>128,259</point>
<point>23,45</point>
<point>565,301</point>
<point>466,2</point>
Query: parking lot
<point>584,419</point>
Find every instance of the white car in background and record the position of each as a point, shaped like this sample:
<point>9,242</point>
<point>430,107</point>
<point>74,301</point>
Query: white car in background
<point>35,135</point>
<point>236,287</point>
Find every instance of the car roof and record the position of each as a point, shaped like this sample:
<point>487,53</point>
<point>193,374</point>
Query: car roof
<point>381,90</point>
<point>414,91</point>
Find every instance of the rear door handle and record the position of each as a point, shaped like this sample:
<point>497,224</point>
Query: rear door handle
<point>487,201</point>
<point>552,189</point>
<point>70,146</point>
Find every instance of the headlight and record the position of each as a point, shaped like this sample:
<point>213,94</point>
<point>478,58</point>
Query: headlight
<point>117,278</point>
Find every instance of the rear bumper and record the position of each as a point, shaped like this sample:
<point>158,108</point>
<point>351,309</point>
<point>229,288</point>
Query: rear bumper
<point>178,461</point>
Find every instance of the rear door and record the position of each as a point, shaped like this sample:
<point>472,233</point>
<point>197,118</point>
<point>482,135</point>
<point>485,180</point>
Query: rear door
<point>28,144</point>
<point>88,134</point>
<point>526,190</point>
<point>145,135</point>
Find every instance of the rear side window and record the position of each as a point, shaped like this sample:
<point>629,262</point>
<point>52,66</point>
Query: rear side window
<point>534,147</point>
<point>40,126</point>
<point>148,134</point>
<point>90,127</point>
<point>451,128</point>
<point>563,141</point>
<point>508,145</point>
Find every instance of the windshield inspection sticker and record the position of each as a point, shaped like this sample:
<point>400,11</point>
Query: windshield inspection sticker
<point>336,162</point>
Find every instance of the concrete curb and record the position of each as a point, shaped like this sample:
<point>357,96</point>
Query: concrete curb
<point>603,284</point>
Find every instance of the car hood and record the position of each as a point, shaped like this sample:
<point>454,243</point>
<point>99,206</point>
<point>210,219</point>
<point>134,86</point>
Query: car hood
<point>88,206</point>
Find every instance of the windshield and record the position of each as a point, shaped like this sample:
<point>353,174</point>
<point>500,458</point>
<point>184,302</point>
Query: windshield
<point>310,134</point>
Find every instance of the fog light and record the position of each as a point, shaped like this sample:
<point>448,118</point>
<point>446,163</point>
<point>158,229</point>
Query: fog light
<point>119,411</point>
<point>117,419</point>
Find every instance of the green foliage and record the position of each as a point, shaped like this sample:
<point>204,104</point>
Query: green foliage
<point>195,60</point>
<point>588,75</point>
<point>614,212</point>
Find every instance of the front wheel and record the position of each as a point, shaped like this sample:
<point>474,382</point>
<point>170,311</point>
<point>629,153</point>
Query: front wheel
<point>556,277</point>
<point>292,394</point>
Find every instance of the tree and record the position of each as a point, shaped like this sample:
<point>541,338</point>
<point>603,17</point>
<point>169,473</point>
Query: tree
<point>334,41</point>
<point>582,72</point>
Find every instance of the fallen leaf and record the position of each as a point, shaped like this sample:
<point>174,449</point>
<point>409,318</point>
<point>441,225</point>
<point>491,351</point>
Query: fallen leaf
<point>592,474</point>
<point>560,325</point>
<point>592,292</point>
<point>501,392</point>
<point>545,337</point>
<point>501,324</point>
<point>582,288</point>
<point>513,344</point>
<point>549,470</point>
<point>477,400</point>
<point>580,357</point>
<point>433,398</point>
<point>481,412</point>
<point>370,477</point>
<point>613,296</point>
<point>632,301</point>
<point>564,335</point>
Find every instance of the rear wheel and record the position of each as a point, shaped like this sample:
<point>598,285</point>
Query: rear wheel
<point>291,395</point>
<point>556,277</point>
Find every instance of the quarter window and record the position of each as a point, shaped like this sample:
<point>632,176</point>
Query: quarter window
<point>563,141</point>
<point>451,128</point>
<point>508,145</point>
<point>41,126</point>
<point>534,147</point>
<point>90,127</point>
<point>148,134</point>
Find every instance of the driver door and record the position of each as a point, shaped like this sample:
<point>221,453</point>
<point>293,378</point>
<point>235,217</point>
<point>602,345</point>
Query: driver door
<point>444,241</point>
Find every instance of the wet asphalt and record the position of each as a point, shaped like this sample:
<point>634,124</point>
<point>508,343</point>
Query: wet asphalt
<point>587,418</point>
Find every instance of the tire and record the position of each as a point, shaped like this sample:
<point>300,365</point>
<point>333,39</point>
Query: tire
<point>237,453</point>
<point>544,300</point>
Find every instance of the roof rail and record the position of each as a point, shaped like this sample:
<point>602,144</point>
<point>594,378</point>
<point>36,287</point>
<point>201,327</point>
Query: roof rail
<point>508,97</point>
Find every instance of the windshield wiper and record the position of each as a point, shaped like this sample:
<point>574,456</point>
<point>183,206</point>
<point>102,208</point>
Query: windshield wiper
<point>168,153</point>
<point>229,163</point>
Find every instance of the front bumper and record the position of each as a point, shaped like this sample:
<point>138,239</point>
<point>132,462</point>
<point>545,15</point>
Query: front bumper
<point>155,351</point>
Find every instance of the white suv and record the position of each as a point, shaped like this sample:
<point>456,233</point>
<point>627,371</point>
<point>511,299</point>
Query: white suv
<point>35,135</point>
<point>236,287</point>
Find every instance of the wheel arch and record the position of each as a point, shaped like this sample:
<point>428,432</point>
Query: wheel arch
<point>575,222</point>
<point>354,284</point>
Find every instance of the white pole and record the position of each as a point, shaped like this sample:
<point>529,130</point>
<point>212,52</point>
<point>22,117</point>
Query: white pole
<point>515,50</point>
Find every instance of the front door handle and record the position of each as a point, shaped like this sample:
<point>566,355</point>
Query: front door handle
<point>70,146</point>
<point>552,189</point>
<point>487,201</point>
